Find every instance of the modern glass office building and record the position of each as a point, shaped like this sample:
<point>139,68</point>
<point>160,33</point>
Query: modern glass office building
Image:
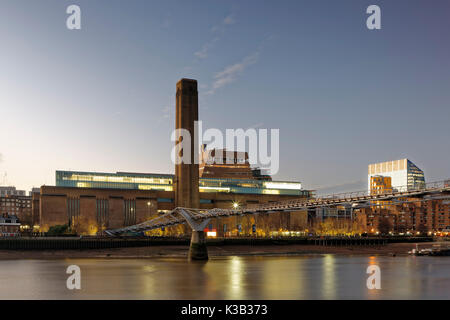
<point>404,174</point>
<point>164,182</point>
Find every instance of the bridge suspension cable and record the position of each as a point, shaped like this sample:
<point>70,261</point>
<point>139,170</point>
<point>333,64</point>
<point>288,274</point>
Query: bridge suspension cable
<point>433,190</point>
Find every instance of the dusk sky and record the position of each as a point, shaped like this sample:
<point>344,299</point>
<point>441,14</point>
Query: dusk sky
<point>103,98</point>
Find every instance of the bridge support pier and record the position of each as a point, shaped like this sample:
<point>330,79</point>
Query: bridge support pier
<point>197,249</point>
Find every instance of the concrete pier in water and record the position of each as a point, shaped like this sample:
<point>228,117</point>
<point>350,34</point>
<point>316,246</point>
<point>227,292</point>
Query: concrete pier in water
<point>198,249</point>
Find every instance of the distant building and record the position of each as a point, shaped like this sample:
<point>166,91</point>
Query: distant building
<point>9,225</point>
<point>338,212</point>
<point>380,184</point>
<point>11,191</point>
<point>18,206</point>
<point>404,175</point>
<point>34,190</point>
<point>415,216</point>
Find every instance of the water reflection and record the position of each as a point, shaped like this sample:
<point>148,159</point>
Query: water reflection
<point>328,277</point>
<point>236,273</point>
<point>373,293</point>
<point>284,280</point>
<point>305,277</point>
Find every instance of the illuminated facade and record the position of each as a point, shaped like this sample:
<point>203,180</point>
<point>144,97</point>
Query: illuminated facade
<point>404,174</point>
<point>164,182</point>
<point>90,202</point>
<point>412,217</point>
<point>380,185</point>
<point>119,180</point>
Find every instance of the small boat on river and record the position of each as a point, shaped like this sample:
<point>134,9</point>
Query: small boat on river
<point>435,251</point>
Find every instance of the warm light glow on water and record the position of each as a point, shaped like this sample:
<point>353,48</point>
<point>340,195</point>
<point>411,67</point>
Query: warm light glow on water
<point>282,287</point>
<point>328,277</point>
<point>301,277</point>
<point>236,275</point>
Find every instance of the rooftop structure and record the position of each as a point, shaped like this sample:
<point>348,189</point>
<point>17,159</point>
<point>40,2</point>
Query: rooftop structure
<point>222,163</point>
<point>11,191</point>
<point>164,182</point>
<point>404,174</point>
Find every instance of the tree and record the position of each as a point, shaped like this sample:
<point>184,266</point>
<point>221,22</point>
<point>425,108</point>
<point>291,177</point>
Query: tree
<point>26,219</point>
<point>423,229</point>
<point>58,230</point>
<point>384,225</point>
<point>401,228</point>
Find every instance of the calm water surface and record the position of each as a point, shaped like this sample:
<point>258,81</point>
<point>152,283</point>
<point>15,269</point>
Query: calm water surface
<point>300,277</point>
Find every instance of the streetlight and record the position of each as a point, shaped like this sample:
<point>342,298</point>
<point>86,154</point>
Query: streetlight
<point>149,204</point>
<point>235,205</point>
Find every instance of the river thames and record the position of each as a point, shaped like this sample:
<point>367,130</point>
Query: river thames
<point>287,277</point>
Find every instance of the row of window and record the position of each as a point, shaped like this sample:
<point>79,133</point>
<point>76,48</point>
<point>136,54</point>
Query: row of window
<point>12,209</point>
<point>73,209</point>
<point>7,200</point>
<point>12,193</point>
<point>102,210</point>
<point>3,205</point>
<point>129,211</point>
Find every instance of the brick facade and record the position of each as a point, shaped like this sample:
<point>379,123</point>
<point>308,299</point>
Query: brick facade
<point>91,210</point>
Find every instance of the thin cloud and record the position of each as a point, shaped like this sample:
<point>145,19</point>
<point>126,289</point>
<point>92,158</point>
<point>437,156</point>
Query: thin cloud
<point>232,72</point>
<point>168,112</point>
<point>203,52</point>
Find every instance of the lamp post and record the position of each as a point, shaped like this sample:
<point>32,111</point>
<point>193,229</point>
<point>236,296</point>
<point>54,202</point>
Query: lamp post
<point>149,204</point>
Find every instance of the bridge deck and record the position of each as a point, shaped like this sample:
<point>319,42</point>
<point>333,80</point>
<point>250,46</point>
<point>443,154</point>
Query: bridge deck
<point>174,217</point>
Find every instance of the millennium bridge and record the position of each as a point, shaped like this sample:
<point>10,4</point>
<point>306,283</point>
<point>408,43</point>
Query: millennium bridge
<point>197,219</point>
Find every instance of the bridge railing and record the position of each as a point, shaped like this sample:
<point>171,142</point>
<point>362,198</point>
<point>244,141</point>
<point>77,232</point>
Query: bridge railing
<point>174,217</point>
<point>354,195</point>
<point>436,185</point>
